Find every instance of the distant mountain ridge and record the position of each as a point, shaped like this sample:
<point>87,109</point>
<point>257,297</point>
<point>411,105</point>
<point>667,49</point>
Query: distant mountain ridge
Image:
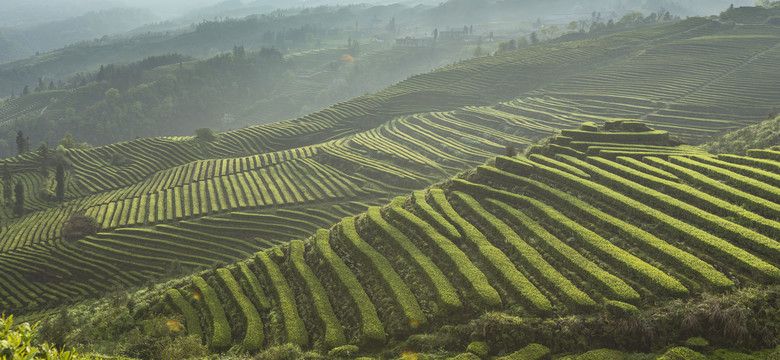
<point>21,43</point>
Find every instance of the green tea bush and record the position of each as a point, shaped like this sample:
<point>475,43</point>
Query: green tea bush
<point>287,352</point>
<point>19,343</point>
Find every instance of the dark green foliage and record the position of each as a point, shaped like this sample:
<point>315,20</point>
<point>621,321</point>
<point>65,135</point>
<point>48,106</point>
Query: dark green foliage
<point>344,352</point>
<point>59,177</point>
<point>681,353</point>
<point>21,342</point>
<point>19,197</point>
<point>697,342</point>
<point>118,159</point>
<point>21,142</point>
<point>205,134</point>
<point>155,339</point>
<point>182,347</point>
<point>530,352</point>
<point>79,226</point>
<point>69,143</point>
<point>44,154</point>
<point>7,185</point>
<point>758,136</point>
<point>603,354</point>
<point>479,348</point>
<point>287,352</point>
<point>620,310</point>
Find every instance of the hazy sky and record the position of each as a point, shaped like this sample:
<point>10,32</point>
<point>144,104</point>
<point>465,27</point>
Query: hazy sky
<point>37,10</point>
<point>15,13</point>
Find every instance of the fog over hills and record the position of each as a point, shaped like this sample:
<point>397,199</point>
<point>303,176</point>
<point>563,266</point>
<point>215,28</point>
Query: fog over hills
<point>20,14</point>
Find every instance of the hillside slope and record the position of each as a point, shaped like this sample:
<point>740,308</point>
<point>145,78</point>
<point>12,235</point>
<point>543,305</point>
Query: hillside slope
<point>162,201</point>
<point>611,220</point>
<point>627,220</point>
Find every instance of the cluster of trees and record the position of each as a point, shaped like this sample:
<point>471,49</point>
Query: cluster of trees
<point>13,193</point>
<point>120,101</point>
<point>120,76</point>
<point>595,26</point>
<point>128,75</point>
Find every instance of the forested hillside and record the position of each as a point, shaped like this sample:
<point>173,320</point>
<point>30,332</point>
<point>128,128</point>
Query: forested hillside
<point>176,94</point>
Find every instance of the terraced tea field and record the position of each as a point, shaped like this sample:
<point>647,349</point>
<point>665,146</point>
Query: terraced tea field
<point>598,217</point>
<point>155,211</point>
<point>164,202</point>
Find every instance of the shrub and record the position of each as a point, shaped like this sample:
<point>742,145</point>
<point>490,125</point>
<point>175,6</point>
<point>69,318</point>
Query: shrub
<point>287,352</point>
<point>620,310</point>
<point>479,348</point>
<point>117,159</point>
<point>697,342</point>
<point>18,343</point>
<point>602,354</point>
<point>183,347</point>
<point>530,352</point>
<point>205,134</point>
<point>78,226</point>
<point>681,353</point>
<point>345,351</point>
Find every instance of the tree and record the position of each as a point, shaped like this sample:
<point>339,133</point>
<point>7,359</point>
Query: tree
<point>573,26</point>
<point>43,152</point>
<point>26,91</point>
<point>534,38</point>
<point>60,178</point>
<point>205,134</point>
<point>506,46</point>
<point>435,34</point>
<point>19,194</point>
<point>20,142</point>
<point>354,50</point>
<point>239,52</point>
<point>78,226</point>
<point>68,142</point>
<point>7,181</point>
<point>550,32</point>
